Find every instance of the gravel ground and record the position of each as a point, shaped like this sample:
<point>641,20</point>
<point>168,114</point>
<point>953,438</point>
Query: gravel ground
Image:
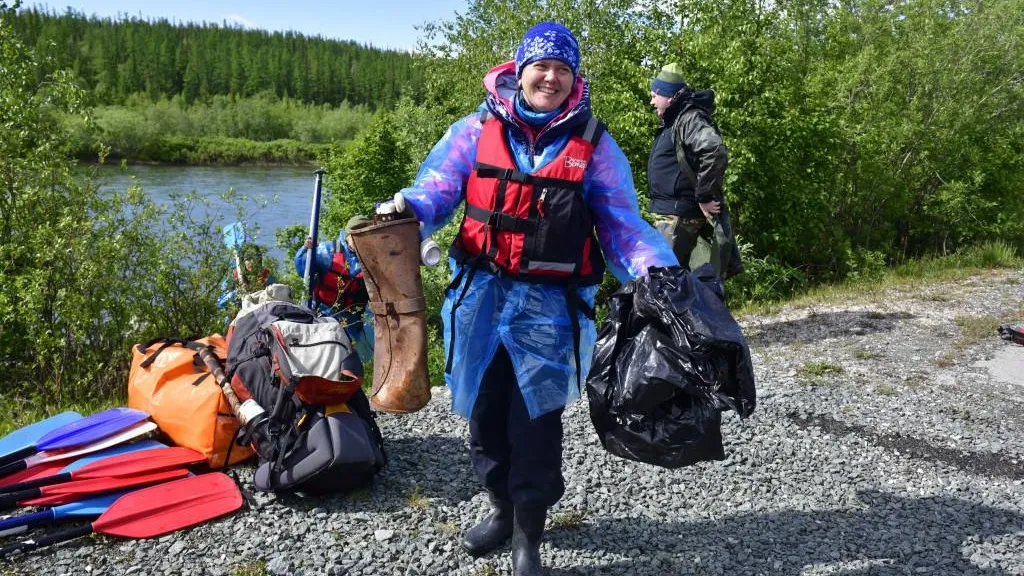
<point>884,443</point>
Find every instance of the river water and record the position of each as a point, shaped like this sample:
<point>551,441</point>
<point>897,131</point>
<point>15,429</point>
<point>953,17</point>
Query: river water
<point>290,187</point>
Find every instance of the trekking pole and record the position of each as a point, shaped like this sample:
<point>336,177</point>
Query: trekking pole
<point>314,231</point>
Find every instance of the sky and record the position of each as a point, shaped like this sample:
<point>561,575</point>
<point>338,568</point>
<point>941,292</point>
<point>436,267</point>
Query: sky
<point>384,24</point>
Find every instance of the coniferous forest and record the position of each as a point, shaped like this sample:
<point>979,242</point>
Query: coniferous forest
<point>116,59</point>
<point>212,94</point>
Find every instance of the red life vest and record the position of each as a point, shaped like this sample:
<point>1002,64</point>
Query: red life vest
<point>262,277</point>
<point>338,283</point>
<point>532,227</point>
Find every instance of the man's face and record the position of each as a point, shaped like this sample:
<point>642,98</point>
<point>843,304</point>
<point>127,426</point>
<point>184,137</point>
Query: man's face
<point>660,103</point>
<point>546,84</point>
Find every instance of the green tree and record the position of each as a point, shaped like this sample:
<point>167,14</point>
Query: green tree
<point>83,275</point>
<point>370,169</point>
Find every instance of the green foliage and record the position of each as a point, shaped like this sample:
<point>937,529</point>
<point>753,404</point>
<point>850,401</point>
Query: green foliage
<point>117,58</point>
<point>861,134</point>
<point>260,129</point>
<point>371,169</point>
<point>84,275</point>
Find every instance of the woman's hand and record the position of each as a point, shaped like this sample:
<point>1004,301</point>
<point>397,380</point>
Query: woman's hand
<point>396,207</point>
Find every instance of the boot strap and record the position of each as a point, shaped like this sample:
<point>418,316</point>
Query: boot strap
<point>400,307</point>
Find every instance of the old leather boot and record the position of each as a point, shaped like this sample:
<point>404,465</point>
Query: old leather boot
<point>526,535</point>
<point>389,254</point>
<point>492,531</point>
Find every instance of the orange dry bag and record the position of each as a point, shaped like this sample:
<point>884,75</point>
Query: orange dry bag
<point>170,382</point>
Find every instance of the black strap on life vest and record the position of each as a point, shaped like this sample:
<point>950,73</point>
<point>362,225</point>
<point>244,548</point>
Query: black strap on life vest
<point>575,305</point>
<point>455,307</point>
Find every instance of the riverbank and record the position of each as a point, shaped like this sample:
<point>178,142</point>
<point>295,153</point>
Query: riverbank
<point>883,443</point>
<point>211,151</point>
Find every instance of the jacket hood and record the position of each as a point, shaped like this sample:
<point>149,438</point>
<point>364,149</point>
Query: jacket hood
<point>502,85</point>
<point>686,99</point>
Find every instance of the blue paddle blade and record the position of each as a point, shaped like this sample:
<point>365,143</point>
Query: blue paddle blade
<point>113,451</point>
<point>235,236</point>
<point>88,507</point>
<point>27,436</point>
<point>90,428</point>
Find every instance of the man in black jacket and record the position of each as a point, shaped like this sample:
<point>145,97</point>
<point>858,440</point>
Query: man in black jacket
<point>685,173</point>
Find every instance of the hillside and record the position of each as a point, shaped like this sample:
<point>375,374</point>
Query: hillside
<point>116,58</point>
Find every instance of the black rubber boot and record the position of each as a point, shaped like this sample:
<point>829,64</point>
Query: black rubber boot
<point>529,528</point>
<point>492,531</point>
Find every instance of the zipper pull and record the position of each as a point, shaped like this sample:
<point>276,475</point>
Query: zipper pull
<point>540,202</point>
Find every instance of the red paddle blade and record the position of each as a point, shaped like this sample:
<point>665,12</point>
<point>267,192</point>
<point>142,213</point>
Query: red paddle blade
<point>75,491</point>
<point>34,473</point>
<point>172,506</point>
<point>144,462</point>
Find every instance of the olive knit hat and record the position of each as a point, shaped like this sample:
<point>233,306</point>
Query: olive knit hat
<point>669,80</point>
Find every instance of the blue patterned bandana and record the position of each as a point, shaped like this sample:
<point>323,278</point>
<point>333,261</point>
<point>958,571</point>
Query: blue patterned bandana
<point>548,40</point>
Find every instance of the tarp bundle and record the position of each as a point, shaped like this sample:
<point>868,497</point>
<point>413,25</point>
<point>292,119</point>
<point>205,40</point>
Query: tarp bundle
<point>668,360</point>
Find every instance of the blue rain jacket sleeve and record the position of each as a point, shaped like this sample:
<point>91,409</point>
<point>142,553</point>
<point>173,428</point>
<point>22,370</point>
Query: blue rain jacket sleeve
<point>629,243</point>
<point>322,257</point>
<point>437,190</point>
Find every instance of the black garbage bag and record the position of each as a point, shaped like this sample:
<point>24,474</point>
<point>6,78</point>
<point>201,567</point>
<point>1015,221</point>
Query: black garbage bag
<point>668,361</point>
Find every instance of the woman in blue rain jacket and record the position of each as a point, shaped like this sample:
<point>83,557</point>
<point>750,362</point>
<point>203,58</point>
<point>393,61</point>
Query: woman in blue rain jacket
<point>514,363</point>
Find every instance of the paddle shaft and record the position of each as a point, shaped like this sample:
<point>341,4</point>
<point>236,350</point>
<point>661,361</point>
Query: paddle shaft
<point>119,465</point>
<point>27,520</point>
<point>37,483</point>
<point>82,488</point>
<point>47,539</point>
<point>13,457</point>
<point>314,232</point>
<point>8,469</point>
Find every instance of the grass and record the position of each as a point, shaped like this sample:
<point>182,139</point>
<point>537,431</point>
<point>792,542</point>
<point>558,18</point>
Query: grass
<point>485,570</point>
<point>936,297</point>
<point>861,354</point>
<point>885,390</point>
<point>974,329</point>
<point>819,369</point>
<point>19,411</point>
<point>569,519</point>
<point>255,568</point>
<point>947,359</point>
<point>416,499</point>
<point>910,275</point>
<point>446,528</point>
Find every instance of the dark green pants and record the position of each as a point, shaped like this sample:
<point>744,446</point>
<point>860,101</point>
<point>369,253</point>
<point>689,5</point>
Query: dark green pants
<point>698,241</point>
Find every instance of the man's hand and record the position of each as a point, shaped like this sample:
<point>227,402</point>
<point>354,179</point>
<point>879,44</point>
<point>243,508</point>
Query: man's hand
<point>709,208</point>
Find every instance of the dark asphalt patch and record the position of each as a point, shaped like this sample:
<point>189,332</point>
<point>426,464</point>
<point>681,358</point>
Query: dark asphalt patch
<point>978,463</point>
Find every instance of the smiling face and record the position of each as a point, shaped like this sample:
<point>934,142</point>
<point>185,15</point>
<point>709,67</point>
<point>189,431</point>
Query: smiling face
<point>546,84</point>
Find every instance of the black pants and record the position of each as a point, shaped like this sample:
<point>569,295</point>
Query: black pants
<point>516,458</point>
